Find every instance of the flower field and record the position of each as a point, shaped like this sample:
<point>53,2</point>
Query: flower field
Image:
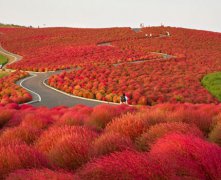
<point>12,93</point>
<point>177,79</point>
<point>177,140</point>
<point>168,68</point>
<point>110,142</point>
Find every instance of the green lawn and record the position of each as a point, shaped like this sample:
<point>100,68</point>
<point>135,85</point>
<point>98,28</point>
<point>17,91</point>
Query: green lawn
<point>2,74</point>
<point>3,60</point>
<point>212,82</point>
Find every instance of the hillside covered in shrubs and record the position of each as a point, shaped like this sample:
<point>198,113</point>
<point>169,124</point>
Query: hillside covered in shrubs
<point>110,142</point>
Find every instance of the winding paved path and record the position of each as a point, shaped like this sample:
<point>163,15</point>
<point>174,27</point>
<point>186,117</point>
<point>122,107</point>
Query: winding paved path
<point>43,95</point>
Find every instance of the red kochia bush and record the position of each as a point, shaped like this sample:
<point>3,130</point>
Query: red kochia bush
<point>102,115</point>
<point>23,134</point>
<point>36,120</point>
<point>215,134</point>
<point>131,125</point>
<point>111,142</point>
<point>14,157</point>
<point>188,156</point>
<point>72,118</point>
<point>123,165</point>
<point>198,117</point>
<point>5,116</point>
<point>41,174</point>
<point>67,147</point>
<point>159,130</point>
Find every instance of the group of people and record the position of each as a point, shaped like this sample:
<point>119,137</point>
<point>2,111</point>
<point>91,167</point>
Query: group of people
<point>151,35</point>
<point>148,35</point>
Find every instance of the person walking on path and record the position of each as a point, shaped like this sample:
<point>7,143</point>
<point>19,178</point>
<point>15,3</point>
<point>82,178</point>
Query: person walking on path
<point>123,99</point>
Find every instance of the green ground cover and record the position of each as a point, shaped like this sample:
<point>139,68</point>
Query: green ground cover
<point>3,60</point>
<point>212,82</point>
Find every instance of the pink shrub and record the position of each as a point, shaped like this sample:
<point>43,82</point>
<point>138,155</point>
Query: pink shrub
<point>111,142</point>
<point>19,157</point>
<point>188,156</point>
<point>41,174</point>
<point>160,130</point>
<point>123,165</point>
<point>23,134</point>
<point>131,125</point>
<point>67,147</point>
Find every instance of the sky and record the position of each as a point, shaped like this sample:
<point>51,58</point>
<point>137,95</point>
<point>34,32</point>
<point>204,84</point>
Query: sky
<point>195,14</point>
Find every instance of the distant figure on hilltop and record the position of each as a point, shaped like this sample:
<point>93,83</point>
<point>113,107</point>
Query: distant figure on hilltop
<point>123,99</point>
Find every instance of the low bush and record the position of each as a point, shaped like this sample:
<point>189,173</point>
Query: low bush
<point>158,131</point>
<point>128,165</point>
<point>41,174</point>
<point>130,125</point>
<point>188,156</point>
<point>14,157</point>
<point>67,147</point>
<point>111,142</point>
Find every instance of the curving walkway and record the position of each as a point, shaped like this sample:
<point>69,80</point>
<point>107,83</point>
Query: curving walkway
<point>44,95</point>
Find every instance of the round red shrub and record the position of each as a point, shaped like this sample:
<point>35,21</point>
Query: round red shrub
<point>102,115</point>
<point>201,119</point>
<point>215,134</point>
<point>67,147</point>
<point>14,157</point>
<point>111,142</point>
<point>130,125</point>
<point>5,116</point>
<point>123,165</point>
<point>35,120</point>
<point>23,134</point>
<point>160,130</point>
<point>41,174</point>
<point>71,118</point>
<point>188,156</point>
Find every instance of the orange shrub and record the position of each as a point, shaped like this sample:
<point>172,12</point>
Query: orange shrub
<point>19,157</point>
<point>67,147</point>
<point>131,125</point>
<point>102,115</point>
<point>41,174</point>
<point>5,116</point>
<point>188,156</point>
<point>36,120</point>
<point>71,118</point>
<point>23,134</point>
<point>215,134</point>
<point>123,165</point>
<point>111,142</point>
<point>158,131</point>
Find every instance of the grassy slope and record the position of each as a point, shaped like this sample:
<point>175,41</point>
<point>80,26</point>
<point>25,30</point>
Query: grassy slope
<point>212,82</point>
<point>3,74</point>
<point>3,60</point>
<point>9,25</point>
